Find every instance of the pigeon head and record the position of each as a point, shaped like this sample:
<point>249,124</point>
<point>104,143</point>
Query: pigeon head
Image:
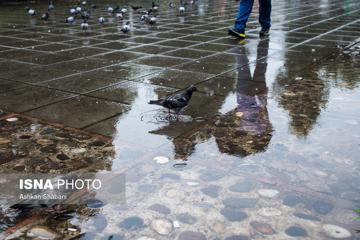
<point>191,89</point>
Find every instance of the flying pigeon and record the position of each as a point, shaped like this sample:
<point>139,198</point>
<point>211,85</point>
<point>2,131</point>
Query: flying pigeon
<point>45,16</point>
<point>126,27</point>
<point>176,101</point>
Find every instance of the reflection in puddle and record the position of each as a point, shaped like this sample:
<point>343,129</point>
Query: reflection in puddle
<point>160,116</point>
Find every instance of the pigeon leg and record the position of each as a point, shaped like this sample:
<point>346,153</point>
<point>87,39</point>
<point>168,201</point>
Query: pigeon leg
<point>169,115</point>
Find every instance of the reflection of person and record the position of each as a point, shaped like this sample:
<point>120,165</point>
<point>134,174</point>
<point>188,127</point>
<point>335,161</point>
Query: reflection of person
<point>252,92</point>
<point>243,131</point>
<point>247,128</point>
<point>243,15</point>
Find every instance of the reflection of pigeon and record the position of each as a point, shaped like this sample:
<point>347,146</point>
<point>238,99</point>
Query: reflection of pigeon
<point>176,101</point>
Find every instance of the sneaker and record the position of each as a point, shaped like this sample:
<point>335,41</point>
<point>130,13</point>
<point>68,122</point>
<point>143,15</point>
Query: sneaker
<point>237,33</point>
<point>264,32</point>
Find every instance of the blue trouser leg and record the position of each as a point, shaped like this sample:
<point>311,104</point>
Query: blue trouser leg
<point>243,14</point>
<point>264,13</point>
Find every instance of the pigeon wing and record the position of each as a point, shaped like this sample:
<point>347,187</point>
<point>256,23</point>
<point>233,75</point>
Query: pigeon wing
<point>176,101</point>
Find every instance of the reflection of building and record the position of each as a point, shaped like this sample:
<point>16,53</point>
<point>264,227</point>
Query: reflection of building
<point>242,131</point>
<point>302,94</point>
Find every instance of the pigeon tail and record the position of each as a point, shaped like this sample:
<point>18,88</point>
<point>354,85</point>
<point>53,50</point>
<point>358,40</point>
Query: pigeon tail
<point>157,102</point>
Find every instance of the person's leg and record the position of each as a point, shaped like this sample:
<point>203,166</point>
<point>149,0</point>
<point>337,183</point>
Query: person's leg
<point>243,14</point>
<point>245,9</point>
<point>265,14</point>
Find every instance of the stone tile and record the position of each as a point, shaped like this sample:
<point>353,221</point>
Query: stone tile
<point>161,61</point>
<point>6,85</point>
<point>177,78</point>
<point>25,99</point>
<point>79,112</point>
<point>188,53</point>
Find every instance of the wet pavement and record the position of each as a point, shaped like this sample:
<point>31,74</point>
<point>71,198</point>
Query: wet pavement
<point>267,148</point>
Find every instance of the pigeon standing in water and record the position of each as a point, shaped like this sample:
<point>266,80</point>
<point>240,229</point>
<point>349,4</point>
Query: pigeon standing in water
<point>176,101</point>
<point>126,27</point>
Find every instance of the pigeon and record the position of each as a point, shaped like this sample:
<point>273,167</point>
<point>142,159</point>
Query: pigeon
<point>181,10</point>
<point>144,17</point>
<point>152,20</point>
<point>51,6</point>
<point>93,6</point>
<point>110,9</point>
<point>72,10</point>
<point>102,20</point>
<point>123,10</point>
<point>119,16</point>
<point>30,11</point>
<point>78,9</point>
<point>116,9</point>
<point>84,26</point>
<point>126,27</point>
<point>45,16</point>
<point>171,5</point>
<point>176,101</point>
<point>135,8</point>
<point>70,20</point>
<point>155,7</point>
<point>85,15</point>
<point>83,2</point>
